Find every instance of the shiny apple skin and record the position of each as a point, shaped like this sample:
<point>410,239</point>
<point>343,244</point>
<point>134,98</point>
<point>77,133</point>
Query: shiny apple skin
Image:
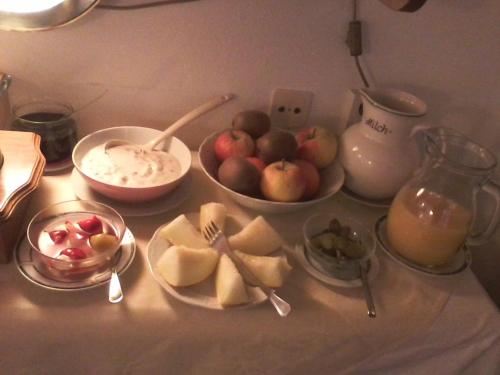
<point>317,145</point>
<point>311,176</point>
<point>257,163</point>
<point>282,181</point>
<point>233,143</point>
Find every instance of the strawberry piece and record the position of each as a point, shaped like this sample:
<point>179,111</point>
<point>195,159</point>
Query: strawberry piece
<point>73,253</point>
<point>58,236</point>
<point>92,225</point>
<point>74,230</point>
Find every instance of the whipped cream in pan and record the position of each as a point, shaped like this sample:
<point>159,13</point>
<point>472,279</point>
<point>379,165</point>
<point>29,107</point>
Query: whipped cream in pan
<point>130,166</point>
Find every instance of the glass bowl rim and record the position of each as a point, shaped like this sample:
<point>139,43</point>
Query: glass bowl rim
<point>91,260</point>
<point>364,232</point>
<point>66,108</point>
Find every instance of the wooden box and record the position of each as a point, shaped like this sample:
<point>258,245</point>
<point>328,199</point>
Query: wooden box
<point>20,174</point>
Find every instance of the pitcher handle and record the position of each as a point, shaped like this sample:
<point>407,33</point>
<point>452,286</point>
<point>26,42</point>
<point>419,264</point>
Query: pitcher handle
<point>350,112</point>
<point>5,80</point>
<point>492,189</point>
<point>419,128</point>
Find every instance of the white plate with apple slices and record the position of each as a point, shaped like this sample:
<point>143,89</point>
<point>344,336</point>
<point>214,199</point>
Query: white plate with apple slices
<point>203,293</point>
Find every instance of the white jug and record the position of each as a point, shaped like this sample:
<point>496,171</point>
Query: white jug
<point>379,153</point>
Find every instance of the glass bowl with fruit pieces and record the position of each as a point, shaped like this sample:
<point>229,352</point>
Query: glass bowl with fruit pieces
<point>337,245</point>
<point>74,240</point>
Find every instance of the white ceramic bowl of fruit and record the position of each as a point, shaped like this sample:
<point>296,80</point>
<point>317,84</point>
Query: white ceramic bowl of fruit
<point>272,170</point>
<point>74,240</point>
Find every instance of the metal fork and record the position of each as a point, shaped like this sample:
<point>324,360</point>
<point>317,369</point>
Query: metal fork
<point>218,240</point>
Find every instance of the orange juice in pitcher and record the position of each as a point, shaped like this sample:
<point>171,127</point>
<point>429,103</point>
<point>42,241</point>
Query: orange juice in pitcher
<point>432,214</point>
<point>427,228</point>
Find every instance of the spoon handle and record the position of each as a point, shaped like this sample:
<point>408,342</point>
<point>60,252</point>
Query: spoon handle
<point>282,307</point>
<point>190,116</point>
<point>367,292</point>
<point>115,289</point>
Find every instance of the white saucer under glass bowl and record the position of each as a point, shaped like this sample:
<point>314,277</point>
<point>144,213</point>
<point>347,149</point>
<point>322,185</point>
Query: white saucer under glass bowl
<point>24,262</point>
<point>458,264</point>
<point>158,206</point>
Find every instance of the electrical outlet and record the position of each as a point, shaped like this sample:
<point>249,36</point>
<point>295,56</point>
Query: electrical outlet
<point>290,108</point>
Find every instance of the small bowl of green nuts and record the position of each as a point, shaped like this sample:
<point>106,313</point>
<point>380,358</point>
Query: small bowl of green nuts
<point>337,245</point>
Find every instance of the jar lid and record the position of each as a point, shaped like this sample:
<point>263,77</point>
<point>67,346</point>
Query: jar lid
<point>22,169</point>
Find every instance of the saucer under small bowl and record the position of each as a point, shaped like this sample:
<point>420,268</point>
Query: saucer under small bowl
<point>23,258</point>
<point>458,264</point>
<point>372,265</point>
<point>366,201</point>
<point>340,266</point>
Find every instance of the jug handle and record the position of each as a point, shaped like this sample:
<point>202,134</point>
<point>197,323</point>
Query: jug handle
<point>5,80</point>
<point>493,189</point>
<point>350,114</point>
<point>419,128</point>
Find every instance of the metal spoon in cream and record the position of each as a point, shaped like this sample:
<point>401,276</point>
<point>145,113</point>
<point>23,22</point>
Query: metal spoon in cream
<point>123,163</point>
<point>187,118</point>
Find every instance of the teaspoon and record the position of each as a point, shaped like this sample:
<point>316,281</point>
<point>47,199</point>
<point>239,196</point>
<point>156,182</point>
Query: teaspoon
<point>372,313</point>
<point>115,293</point>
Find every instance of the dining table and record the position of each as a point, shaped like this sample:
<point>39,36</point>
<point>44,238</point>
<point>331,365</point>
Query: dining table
<point>424,324</point>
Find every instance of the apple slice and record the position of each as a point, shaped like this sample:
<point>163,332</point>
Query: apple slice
<point>182,266</point>
<point>229,284</point>
<point>272,271</point>
<point>257,238</point>
<point>181,232</point>
<point>215,212</point>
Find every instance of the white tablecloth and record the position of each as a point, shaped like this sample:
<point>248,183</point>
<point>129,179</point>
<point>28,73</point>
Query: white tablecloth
<point>424,324</point>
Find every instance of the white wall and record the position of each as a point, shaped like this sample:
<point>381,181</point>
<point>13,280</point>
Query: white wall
<point>156,64</point>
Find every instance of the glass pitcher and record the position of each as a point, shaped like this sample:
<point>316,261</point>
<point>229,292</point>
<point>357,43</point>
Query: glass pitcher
<point>432,215</point>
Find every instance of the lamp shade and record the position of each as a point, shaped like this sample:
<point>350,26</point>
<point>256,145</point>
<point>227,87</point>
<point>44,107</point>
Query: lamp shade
<point>404,5</point>
<point>28,15</point>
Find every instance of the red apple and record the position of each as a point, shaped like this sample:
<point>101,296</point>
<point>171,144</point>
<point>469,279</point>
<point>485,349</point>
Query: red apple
<point>257,162</point>
<point>282,181</point>
<point>239,175</point>
<point>317,145</point>
<point>233,143</point>
<point>311,176</point>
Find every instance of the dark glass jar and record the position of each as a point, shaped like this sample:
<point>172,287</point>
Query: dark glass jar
<point>54,123</point>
